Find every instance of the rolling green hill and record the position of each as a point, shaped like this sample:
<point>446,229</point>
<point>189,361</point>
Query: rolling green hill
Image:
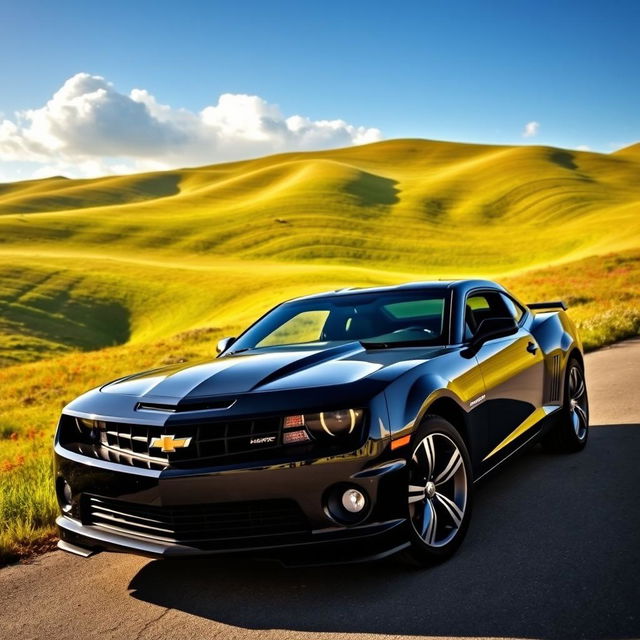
<point>339,205</point>
<point>632,151</point>
<point>91,263</point>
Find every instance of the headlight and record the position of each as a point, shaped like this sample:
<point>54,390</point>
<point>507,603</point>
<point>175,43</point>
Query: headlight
<point>327,424</point>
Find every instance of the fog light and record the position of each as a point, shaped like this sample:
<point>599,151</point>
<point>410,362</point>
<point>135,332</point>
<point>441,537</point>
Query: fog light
<point>353,501</point>
<point>347,504</point>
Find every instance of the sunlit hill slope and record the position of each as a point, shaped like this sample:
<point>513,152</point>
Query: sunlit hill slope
<point>91,263</point>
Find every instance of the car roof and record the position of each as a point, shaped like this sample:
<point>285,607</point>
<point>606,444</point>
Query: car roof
<point>462,286</point>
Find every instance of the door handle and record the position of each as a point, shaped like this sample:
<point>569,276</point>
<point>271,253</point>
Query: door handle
<point>532,348</point>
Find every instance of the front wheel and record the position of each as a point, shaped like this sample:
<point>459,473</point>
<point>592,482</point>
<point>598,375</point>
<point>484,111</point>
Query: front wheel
<point>439,492</point>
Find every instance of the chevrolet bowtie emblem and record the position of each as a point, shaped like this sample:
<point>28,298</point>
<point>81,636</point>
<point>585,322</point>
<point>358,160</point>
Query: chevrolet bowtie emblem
<point>168,444</point>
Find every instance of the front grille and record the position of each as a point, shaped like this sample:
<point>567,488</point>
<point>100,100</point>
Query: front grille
<point>202,443</point>
<point>199,445</point>
<point>219,525</point>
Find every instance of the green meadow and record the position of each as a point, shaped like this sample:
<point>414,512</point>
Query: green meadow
<point>108,276</point>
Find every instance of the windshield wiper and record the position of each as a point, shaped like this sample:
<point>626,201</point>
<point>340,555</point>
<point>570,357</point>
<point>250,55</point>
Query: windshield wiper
<point>233,353</point>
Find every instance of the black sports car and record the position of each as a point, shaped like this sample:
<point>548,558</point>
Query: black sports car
<point>340,426</point>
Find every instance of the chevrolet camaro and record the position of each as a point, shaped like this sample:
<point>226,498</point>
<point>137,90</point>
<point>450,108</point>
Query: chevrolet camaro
<point>341,426</point>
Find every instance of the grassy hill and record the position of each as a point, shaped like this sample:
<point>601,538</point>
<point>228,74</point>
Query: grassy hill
<point>92,263</point>
<point>102,277</point>
<point>632,151</point>
<point>339,205</point>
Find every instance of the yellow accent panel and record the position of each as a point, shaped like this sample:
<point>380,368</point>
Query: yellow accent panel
<point>529,422</point>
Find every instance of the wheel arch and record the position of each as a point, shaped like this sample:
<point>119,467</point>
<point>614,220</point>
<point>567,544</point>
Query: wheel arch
<point>577,354</point>
<point>574,352</point>
<point>447,408</point>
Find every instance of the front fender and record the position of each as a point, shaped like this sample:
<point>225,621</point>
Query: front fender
<point>450,376</point>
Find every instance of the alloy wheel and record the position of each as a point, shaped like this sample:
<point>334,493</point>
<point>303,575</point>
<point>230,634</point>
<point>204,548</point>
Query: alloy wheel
<point>437,489</point>
<point>578,406</point>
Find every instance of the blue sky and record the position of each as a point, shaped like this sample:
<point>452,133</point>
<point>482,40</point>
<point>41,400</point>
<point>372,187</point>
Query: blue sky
<point>474,71</point>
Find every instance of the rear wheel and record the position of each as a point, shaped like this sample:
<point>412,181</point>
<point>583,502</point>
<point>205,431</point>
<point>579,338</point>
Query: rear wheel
<point>571,433</point>
<point>439,492</point>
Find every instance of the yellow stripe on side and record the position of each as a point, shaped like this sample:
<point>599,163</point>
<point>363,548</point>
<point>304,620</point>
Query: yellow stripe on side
<point>531,421</point>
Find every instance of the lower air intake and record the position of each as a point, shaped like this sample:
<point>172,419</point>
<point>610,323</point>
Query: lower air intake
<point>221,525</point>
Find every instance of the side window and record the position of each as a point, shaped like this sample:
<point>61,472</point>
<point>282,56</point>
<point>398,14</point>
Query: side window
<point>479,306</point>
<point>474,302</point>
<point>304,327</point>
<point>514,309</point>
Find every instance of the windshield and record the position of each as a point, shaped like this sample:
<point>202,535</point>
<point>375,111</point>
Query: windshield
<point>391,319</point>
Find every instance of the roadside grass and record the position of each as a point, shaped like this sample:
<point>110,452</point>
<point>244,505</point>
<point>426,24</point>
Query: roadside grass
<point>603,293</point>
<point>27,503</point>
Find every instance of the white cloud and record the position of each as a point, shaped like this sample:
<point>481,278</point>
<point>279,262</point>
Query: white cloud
<point>583,147</point>
<point>88,128</point>
<point>531,129</point>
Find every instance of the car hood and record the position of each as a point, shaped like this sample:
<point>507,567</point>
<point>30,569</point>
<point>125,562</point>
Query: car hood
<point>272,370</point>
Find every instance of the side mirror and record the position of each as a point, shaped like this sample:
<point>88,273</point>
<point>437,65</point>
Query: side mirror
<point>224,344</point>
<point>491,328</point>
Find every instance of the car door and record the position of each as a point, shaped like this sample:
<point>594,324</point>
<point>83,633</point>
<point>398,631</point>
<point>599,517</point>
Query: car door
<point>513,371</point>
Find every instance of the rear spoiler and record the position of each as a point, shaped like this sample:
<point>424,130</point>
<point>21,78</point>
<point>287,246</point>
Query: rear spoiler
<point>557,304</point>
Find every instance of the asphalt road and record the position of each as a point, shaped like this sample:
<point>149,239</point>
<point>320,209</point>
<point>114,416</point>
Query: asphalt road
<point>553,552</point>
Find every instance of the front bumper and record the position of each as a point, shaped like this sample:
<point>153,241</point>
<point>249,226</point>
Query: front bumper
<point>359,543</point>
<point>382,531</point>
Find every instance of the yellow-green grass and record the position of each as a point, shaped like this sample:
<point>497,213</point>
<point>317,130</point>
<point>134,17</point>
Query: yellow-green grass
<point>394,205</point>
<point>103,277</point>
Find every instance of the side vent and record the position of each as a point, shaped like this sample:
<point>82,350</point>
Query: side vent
<point>554,380</point>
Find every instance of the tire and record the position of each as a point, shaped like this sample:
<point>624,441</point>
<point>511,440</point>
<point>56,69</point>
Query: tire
<point>439,493</point>
<point>572,431</point>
